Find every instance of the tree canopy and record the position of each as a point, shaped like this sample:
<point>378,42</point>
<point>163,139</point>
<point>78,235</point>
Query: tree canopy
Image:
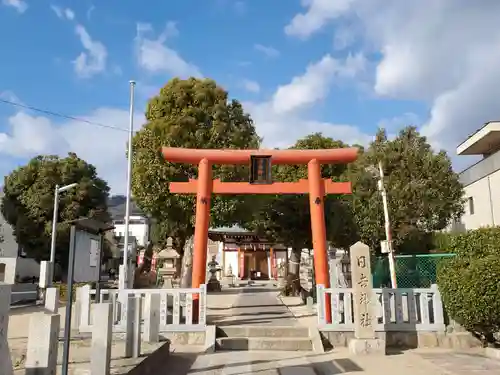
<point>29,200</point>
<point>193,113</point>
<point>424,193</point>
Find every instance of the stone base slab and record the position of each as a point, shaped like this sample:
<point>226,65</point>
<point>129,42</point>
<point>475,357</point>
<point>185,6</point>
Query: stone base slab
<point>367,347</point>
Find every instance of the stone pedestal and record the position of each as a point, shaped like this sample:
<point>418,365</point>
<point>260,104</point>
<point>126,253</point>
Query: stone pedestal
<point>367,347</point>
<point>5,358</point>
<point>102,329</point>
<point>41,353</point>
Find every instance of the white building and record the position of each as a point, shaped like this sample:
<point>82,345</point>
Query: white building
<point>481,180</point>
<point>138,227</point>
<point>139,224</point>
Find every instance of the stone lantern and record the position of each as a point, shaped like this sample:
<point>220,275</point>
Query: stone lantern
<point>167,258</point>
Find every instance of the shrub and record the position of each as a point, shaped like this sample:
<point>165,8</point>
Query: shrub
<point>63,290</point>
<point>470,282</point>
<point>475,243</point>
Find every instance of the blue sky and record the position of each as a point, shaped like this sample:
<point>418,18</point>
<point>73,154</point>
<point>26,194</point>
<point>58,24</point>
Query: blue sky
<point>342,67</point>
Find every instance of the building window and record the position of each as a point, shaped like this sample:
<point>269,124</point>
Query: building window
<point>470,202</point>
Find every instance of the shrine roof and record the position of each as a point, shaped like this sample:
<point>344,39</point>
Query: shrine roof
<point>239,235</point>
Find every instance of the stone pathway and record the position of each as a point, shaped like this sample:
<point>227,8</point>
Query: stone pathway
<point>337,362</point>
<point>463,363</point>
<point>254,305</point>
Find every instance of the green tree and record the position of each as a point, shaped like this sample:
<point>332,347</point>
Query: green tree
<point>424,193</point>
<point>29,200</point>
<point>193,113</point>
<point>286,218</point>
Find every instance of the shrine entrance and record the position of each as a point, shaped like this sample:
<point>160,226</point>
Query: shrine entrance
<point>260,162</point>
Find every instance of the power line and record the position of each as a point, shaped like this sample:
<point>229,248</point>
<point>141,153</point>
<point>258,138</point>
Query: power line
<point>56,114</point>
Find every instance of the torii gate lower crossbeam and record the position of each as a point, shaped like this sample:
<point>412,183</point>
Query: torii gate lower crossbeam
<point>315,185</point>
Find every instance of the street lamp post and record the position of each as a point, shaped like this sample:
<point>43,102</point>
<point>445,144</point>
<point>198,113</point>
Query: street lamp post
<point>57,191</point>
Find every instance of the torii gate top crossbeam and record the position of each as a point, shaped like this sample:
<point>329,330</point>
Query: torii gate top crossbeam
<point>232,157</point>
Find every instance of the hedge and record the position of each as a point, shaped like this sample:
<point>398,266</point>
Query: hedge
<point>63,290</point>
<point>470,282</point>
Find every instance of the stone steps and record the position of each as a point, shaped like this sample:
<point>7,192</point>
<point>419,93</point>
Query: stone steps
<point>263,331</point>
<point>280,338</point>
<point>264,343</point>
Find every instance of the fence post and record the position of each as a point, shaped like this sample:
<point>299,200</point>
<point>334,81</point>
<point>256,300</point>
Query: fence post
<point>152,318</point>
<point>320,300</point>
<point>85,306</point>
<point>102,328</point>
<point>437,307</point>
<point>52,300</point>
<point>5,358</point>
<point>42,348</point>
<point>202,317</point>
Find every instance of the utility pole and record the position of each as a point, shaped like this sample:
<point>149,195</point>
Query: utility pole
<point>388,235</point>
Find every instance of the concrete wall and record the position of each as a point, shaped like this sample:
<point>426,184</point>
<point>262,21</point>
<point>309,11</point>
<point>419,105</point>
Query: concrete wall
<point>482,204</point>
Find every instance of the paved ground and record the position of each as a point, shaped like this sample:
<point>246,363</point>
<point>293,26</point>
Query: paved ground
<point>414,362</point>
<point>253,305</point>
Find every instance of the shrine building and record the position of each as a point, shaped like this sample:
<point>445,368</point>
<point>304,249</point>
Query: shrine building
<point>247,255</point>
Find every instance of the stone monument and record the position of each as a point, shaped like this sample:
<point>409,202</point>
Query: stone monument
<point>365,342</point>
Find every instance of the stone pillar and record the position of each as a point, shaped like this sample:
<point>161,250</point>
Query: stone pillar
<point>133,327</point>
<point>129,313</point>
<point>102,329</point>
<point>152,318</point>
<point>365,341</point>
<point>5,358</point>
<point>136,346</point>
<point>43,337</point>
<point>52,300</point>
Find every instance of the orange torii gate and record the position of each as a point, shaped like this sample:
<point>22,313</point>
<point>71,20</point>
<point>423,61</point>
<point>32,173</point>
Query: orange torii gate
<point>261,183</point>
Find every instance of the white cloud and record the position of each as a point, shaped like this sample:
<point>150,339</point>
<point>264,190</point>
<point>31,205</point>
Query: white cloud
<point>280,130</point>
<point>398,122</point>
<point>318,14</point>
<point>105,148</point>
<point>154,56</point>
<point>315,84</point>
<point>267,50</point>
<point>445,53</point>
<point>18,5</point>
<point>282,120</point>
<point>250,85</point>
<point>65,13</point>
<point>93,61</point>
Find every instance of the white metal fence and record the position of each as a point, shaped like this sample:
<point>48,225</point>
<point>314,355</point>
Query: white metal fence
<point>416,309</point>
<point>176,307</point>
